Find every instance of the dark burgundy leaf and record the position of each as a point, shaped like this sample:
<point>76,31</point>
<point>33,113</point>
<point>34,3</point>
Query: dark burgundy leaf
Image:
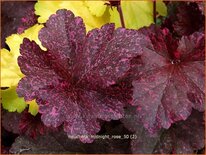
<point>189,19</point>
<point>171,16</point>
<point>7,139</point>
<point>201,5</point>
<point>32,125</point>
<point>171,78</point>
<point>46,144</point>
<point>113,145</point>
<point>182,137</point>
<point>142,142</point>
<point>25,124</point>
<point>57,143</point>
<point>184,18</point>
<point>4,149</point>
<point>10,121</point>
<point>68,80</point>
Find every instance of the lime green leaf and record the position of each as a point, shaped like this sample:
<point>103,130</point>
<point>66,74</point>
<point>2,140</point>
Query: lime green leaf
<point>85,9</point>
<point>33,107</point>
<point>10,71</point>
<point>98,9</point>
<point>114,17</point>
<point>11,101</point>
<point>137,14</point>
<point>45,9</point>
<point>95,14</point>
<point>14,42</point>
<point>161,8</point>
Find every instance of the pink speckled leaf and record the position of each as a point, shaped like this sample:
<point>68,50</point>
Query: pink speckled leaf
<point>29,19</point>
<point>69,80</point>
<point>171,80</point>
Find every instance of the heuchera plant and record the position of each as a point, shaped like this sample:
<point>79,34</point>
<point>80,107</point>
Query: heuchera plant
<point>148,82</point>
<point>94,13</point>
<point>67,80</point>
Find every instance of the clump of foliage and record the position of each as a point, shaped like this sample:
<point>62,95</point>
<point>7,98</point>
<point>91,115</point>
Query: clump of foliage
<point>137,85</point>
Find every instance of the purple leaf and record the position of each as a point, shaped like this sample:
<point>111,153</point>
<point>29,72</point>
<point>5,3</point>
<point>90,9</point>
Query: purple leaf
<point>29,19</point>
<point>171,78</point>
<point>69,80</point>
<point>32,126</point>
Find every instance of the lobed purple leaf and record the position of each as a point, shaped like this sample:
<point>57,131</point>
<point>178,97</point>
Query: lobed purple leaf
<point>172,83</point>
<point>69,80</point>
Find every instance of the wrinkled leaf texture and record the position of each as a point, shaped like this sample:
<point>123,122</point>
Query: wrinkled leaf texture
<point>68,79</point>
<point>181,138</point>
<point>170,78</point>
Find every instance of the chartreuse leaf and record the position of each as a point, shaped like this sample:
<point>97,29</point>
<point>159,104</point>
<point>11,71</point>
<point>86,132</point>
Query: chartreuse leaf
<point>98,9</point>
<point>95,13</point>
<point>46,8</point>
<point>10,71</point>
<point>137,13</point>
<point>83,9</point>
<point>161,8</point>
<point>33,107</point>
<point>11,101</point>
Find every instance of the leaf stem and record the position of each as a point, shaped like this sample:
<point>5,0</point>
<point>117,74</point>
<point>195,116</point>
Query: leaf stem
<point>154,11</point>
<point>119,9</point>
